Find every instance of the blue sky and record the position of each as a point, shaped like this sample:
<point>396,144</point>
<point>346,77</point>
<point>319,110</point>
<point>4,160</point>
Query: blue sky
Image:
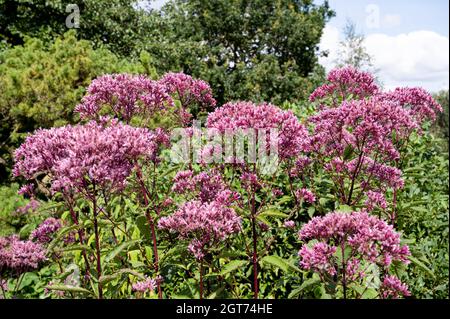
<point>407,39</point>
<point>403,16</point>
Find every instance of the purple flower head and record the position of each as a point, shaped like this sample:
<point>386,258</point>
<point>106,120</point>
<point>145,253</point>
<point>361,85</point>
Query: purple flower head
<point>27,189</point>
<point>289,224</point>
<point>417,100</point>
<point>306,195</point>
<point>20,256</point>
<point>43,233</point>
<point>345,82</point>
<point>292,136</point>
<point>188,90</point>
<point>393,288</point>
<point>148,284</point>
<point>375,199</point>
<point>205,224</point>
<point>124,96</point>
<point>77,156</point>
<point>31,206</point>
<point>369,237</point>
<point>207,186</point>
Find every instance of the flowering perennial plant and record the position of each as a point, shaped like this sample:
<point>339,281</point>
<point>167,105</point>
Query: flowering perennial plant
<point>130,211</point>
<point>347,243</point>
<point>43,234</point>
<point>205,224</point>
<point>124,95</point>
<point>20,256</point>
<point>292,136</point>
<point>82,155</point>
<point>346,83</point>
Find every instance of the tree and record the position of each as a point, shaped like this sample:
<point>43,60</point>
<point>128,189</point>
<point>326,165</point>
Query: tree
<point>118,24</point>
<point>352,50</point>
<point>259,50</point>
<point>441,125</point>
<point>42,84</point>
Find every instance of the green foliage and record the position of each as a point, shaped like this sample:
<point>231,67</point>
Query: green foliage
<point>41,84</point>
<point>256,50</point>
<point>117,24</point>
<point>441,124</point>
<point>424,216</point>
<point>10,222</point>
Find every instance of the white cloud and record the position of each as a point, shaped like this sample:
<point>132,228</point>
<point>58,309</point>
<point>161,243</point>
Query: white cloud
<point>392,20</point>
<point>419,58</point>
<point>329,42</point>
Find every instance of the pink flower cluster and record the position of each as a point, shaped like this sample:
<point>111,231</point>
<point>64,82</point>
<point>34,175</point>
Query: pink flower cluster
<point>375,199</point>
<point>82,155</point>
<point>29,207</point>
<point>290,224</point>
<point>207,186</point>
<point>19,256</point>
<point>368,238</point>
<point>125,95</point>
<point>419,101</point>
<point>365,126</point>
<point>344,83</point>
<point>306,195</point>
<point>43,233</point>
<point>292,136</point>
<point>27,189</point>
<point>393,288</point>
<point>205,224</point>
<point>188,90</point>
<point>355,142</point>
<point>148,284</point>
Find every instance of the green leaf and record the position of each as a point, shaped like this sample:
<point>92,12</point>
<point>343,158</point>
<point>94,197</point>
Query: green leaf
<point>233,265</point>
<point>70,289</point>
<point>420,264</point>
<point>113,253</point>
<point>311,211</point>
<point>273,213</point>
<point>279,262</point>
<point>285,199</point>
<point>144,227</point>
<point>28,279</point>
<point>307,283</point>
<point>348,152</point>
<point>108,278</point>
<point>344,208</point>
<point>214,294</point>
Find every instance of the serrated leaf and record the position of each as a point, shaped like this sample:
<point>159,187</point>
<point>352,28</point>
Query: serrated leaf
<point>69,289</point>
<point>108,278</point>
<point>420,264</point>
<point>279,262</point>
<point>112,254</point>
<point>307,283</point>
<point>144,227</point>
<point>232,265</point>
<point>273,213</point>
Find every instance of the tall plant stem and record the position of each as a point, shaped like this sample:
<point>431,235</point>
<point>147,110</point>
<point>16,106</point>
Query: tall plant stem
<point>97,246</point>
<point>80,238</point>
<point>255,253</point>
<point>344,270</point>
<point>355,173</point>
<point>152,227</point>
<point>201,279</point>
<point>155,250</point>
<point>255,259</point>
<point>3,289</point>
